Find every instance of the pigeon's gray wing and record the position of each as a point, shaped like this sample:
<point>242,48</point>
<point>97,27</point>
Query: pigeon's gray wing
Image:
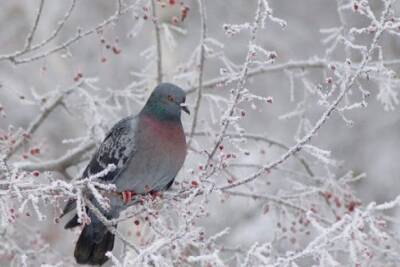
<point>117,148</point>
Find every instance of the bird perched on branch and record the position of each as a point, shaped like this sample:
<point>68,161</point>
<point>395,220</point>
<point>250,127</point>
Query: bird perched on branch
<point>147,151</point>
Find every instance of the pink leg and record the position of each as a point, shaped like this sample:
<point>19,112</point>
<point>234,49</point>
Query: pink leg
<point>126,196</point>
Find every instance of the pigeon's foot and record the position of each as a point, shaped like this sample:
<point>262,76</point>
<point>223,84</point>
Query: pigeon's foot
<point>127,196</point>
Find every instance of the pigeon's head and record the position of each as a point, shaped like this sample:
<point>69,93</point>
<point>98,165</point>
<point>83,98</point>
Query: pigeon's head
<point>166,102</point>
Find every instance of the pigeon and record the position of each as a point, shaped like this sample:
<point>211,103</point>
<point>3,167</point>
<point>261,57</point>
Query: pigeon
<point>147,151</point>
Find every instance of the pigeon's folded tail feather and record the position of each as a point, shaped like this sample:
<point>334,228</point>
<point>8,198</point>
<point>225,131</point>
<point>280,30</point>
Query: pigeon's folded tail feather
<point>71,205</point>
<point>72,223</point>
<point>93,244</point>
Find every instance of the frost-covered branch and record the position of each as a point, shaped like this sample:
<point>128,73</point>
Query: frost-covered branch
<point>17,57</point>
<point>202,58</point>
<point>158,41</point>
<point>61,164</point>
<point>47,108</point>
<point>346,86</point>
<point>274,174</point>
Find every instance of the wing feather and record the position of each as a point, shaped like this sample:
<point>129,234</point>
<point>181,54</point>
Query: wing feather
<point>118,148</point>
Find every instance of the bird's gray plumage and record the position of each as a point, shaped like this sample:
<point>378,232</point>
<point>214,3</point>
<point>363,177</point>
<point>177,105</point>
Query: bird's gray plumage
<point>117,148</point>
<point>148,150</point>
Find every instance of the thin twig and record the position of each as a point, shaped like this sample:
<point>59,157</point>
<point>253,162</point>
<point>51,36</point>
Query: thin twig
<point>60,25</point>
<point>31,34</point>
<point>241,83</point>
<point>256,137</point>
<point>158,42</point>
<point>278,201</point>
<point>317,63</point>
<point>60,164</point>
<point>291,65</point>
<point>13,57</point>
<point>34,125</point>
<point>203,18</point>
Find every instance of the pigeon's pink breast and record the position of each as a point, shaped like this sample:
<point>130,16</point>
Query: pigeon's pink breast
<point>167,137</point>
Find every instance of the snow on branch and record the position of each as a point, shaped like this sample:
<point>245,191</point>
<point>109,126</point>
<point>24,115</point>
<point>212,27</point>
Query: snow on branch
<point>262,183</point>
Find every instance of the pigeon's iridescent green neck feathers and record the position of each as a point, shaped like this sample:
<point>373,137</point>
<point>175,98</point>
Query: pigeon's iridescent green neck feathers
<point>165,103</point>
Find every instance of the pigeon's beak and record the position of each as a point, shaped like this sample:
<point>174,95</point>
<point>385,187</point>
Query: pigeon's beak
<point>184,107</point>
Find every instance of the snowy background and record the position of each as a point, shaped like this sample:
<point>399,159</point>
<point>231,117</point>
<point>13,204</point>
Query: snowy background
<point>113,69</point>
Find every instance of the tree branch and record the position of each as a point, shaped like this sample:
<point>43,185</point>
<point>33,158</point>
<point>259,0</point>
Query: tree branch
<point>158,42</point>
<point>278,201</point>
<point>263,139</point>
<point>60,164</point>
<point>31,34</point>
<point>241,83</point>
<point>203,18</point>
<point>306,64</point>
<point>14,57</point>
<point>348,83</point>
<point>34,125</point>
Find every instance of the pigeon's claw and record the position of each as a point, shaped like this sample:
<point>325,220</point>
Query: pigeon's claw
<point>127,196</point>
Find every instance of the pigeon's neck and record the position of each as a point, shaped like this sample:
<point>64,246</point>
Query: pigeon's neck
<point>158,112</point>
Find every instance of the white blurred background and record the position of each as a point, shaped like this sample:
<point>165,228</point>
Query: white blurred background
<point>370,146</point>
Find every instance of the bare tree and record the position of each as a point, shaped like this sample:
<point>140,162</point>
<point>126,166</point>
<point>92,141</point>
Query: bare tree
<point>244,198</point>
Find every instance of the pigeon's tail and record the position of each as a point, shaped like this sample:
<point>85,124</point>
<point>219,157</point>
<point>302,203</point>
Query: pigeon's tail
<point>93,243</point>
<point>95,239</point>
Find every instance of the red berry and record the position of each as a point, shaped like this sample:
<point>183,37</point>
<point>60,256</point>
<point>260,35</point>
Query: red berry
<point>352,205</point>
<point>175,20</point>
<point>116,50</point>
<point>35,151</point>
<point>195,184</point>
<point>184,12</point>
<point>327,195</point>
<point>337,202</point>
<point>78,76</point>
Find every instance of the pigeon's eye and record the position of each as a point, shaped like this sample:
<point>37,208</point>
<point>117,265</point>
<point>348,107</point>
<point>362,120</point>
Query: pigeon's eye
<point>170,98</point>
